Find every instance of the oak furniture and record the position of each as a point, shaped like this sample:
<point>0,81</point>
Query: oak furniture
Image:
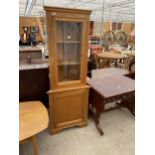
<point>111,57</point>
<point>68,49</point>
<point>33,118</point>
<point>108,89</point>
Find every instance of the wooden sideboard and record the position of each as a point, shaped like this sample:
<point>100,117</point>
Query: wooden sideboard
<point>33,85</point>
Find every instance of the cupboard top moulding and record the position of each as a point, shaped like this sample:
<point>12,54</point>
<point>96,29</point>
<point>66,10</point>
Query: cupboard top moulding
<point>67,10</point>
<point>67,46</point>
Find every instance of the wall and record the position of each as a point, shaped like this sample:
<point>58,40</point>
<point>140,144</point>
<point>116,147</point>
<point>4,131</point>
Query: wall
<point>127,27</point>
<point>97,27</point>
<point>107,26</point>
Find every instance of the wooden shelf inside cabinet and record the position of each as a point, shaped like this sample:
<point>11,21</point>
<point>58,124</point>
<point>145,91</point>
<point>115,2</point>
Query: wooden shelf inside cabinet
<point>68,47</point>
<point>68,63</point>
<point>68,42</point>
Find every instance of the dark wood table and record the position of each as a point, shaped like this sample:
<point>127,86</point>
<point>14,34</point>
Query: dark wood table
<point>108,89</point>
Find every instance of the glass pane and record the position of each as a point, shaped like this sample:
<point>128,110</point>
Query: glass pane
<point>68,50</point>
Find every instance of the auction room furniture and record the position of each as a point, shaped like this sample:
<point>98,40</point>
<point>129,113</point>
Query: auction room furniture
<point>33,75</point>
<point>34,80</point>
<point>33,83</point>
<point>111,57</point>
<point>108,89</point>
<point>131,63</point>
<point>128,64</point>
<point>128,52</point>
<point>94,62</point>
<point>95,49</point>
<point>68,50</point>
<point>33,118</point>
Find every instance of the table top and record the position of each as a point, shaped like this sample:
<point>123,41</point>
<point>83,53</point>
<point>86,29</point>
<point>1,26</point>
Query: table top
<point>110,71</point>
<point>32,66</point>
<point>35,64</point>
<point>111,86</point>
<point>128,52</point>
<point>33,118</point>
<point>111,55</point>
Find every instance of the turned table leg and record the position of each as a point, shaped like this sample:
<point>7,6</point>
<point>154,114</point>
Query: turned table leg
<point>97,123</point>
<point>129,102</point>
<point>97,105</point>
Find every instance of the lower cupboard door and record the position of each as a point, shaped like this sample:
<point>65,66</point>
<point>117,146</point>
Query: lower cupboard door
<point>70,107</point>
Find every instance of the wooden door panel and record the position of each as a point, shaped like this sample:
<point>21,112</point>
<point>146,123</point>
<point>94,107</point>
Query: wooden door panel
<point>75,79</point>
<point>69,107</point>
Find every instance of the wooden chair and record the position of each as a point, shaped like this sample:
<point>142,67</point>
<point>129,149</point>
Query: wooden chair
<point>94,63</point>
<point>122,63</point>
<point>33,118</point>
<point>131,65</point>
<point>97,62</point>
<point>125,64</point>
<point>102,63</point>
<point>129,62</point>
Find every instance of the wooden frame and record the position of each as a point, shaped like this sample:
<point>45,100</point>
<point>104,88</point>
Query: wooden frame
<point>34,30</point>
<point>81,80</point>
<point>68,99</point>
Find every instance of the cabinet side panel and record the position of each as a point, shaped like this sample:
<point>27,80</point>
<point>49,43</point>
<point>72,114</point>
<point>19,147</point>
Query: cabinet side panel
<point>84,54</point>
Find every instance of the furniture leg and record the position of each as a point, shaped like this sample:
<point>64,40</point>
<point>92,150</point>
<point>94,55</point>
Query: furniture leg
<point>97,122</point>
<point>115,64</point>
<point>129,103</point>
<point>34,145</point>
<point>96,107</point>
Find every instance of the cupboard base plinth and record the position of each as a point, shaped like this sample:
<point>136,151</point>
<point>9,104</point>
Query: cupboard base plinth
<point>58,130</point>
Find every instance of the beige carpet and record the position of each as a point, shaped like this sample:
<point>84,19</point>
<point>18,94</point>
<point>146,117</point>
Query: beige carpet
<point>119,138</point>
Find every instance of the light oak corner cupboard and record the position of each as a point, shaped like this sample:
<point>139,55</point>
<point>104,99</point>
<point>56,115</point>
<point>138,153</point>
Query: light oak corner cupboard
<point>67,31</point>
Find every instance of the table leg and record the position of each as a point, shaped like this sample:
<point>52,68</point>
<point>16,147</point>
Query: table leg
<point>131,106</point>
<point>129,102</point>
<point>34,145</point>
<point>96,106</point>
<point>96,119</point>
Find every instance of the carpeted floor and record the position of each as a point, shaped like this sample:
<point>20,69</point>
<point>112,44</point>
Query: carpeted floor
<point>119,138</point>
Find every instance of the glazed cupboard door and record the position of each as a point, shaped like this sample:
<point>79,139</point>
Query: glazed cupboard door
<point>69,51</point>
